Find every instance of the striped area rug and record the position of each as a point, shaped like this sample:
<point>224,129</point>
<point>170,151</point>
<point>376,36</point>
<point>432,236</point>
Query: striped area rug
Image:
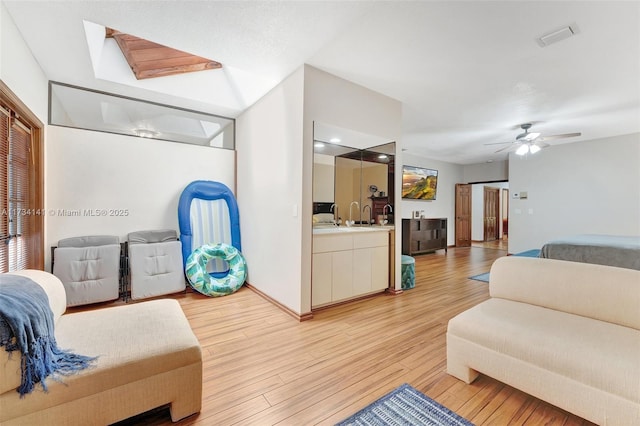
<point>405,406</point>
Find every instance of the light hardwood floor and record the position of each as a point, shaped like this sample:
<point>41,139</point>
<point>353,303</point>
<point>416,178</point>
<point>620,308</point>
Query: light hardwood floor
<point>262,367</point>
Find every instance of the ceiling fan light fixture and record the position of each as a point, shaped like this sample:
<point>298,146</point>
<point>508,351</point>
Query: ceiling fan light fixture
<point>145,133</point>
<point>528,143</point>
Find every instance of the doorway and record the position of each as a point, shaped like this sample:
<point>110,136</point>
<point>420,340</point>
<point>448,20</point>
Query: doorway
<point>485,219</point>
<point>505,213</point>
<point>491,213</point>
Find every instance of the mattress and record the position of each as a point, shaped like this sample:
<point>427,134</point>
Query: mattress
<point>611,250</point>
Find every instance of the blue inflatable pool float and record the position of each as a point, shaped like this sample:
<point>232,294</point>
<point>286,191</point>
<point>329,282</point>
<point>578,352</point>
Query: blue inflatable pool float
<point>213,284</point>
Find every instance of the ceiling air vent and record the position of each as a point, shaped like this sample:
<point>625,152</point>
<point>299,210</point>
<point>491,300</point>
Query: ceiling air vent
<point>557,35</point>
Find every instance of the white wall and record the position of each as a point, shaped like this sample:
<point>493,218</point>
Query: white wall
<point>477,212</point>
<point>486,172</point>
<point>332,100</point>
<point>19,69</point>
<point>94,171</point>
<point>274,139</point>
<point>576,188</point>
<point>445,203</point>
<point>102,171</point>
<point>269,140</point>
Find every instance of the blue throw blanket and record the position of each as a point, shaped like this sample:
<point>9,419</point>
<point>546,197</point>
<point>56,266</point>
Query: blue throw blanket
<point>27,325</point>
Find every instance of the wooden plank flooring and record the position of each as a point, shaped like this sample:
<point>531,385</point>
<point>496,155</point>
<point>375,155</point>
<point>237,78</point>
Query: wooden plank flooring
<point>262,367</point>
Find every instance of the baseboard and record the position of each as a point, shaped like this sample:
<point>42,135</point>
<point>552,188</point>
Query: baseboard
<point>303,317</point>
<point>309,315</point>
<point>354,299</point>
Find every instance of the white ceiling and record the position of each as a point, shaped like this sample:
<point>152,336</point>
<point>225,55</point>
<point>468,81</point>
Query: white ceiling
<point>467,72</point>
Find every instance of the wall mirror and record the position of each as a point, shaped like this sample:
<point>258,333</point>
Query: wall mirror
<point>350,167</point>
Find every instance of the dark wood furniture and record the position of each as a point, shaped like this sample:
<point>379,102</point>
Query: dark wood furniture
<point>423,235</point>
<point>377,206</point>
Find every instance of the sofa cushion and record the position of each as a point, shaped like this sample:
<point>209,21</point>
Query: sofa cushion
<point>152,236</point>
<point>90,274</point>
<point>89,241</point>
<point>156,269</point>
<point>597,353</point>
<point>131,342</point>
<point>596,291</point>
<point>10,362</point>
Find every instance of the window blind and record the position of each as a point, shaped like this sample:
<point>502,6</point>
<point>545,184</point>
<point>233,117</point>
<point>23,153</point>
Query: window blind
<point>21,220</point>
<point>5,119</point>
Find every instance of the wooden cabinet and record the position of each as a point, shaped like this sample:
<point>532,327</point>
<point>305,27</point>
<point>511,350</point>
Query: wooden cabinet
<point>377,206</point>
<point>423,235</point>
<point>348,265</point>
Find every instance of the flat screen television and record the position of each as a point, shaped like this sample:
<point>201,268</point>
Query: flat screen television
<point>419,183</point>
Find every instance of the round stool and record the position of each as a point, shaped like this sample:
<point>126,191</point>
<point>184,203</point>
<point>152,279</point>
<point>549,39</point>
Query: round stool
<point>408,272</point>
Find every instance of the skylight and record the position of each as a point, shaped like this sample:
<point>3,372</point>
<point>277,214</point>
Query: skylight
<point>226,90</point>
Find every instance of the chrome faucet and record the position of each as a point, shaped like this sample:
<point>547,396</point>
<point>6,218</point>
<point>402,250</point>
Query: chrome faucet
<point>350,222</point>
<point>384,220</point>
<point>363,209</point>
<point>336,217</point>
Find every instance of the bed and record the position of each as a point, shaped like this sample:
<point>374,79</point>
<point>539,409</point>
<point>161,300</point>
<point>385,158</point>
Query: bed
<point>612,250</point>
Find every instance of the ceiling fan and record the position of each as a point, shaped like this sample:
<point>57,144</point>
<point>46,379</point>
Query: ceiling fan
<point>531,142</point>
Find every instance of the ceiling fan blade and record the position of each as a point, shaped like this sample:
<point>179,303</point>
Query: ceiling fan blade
<point>499,143</point>
<point>542,144</point>
<point>566,135</point>
<point>506,148</point>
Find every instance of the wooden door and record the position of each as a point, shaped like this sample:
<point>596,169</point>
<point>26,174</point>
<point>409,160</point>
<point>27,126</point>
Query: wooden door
<point>505,212</point>
<point>463,215</point>
<point>491,209</point>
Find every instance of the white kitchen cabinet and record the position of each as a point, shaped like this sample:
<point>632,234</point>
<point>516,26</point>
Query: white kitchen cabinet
<point>361,271</point>
<point>341,281</point>
<point>347,265</point>
<point>321,274</point>
<point>379,268</point>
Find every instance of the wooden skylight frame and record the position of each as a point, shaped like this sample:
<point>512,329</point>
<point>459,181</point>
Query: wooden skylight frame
<point>150,60</point>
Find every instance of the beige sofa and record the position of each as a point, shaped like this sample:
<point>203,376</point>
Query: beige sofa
<point>147,355</point>
<point>565,332</point>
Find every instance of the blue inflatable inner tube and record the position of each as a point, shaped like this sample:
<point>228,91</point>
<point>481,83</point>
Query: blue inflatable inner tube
<point>208,284</point>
